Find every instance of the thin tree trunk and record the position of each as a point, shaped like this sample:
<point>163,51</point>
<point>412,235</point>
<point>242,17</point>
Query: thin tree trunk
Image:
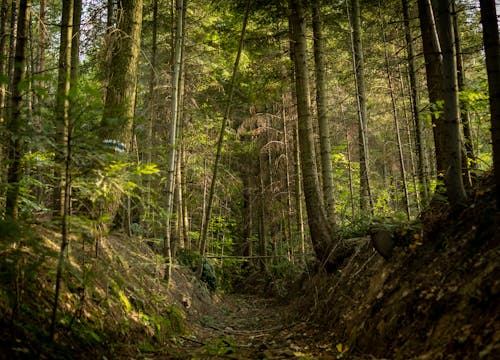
<point>469,161</point>
<point>152,111</point>
<point>15,120</point>
<point>174,115</point>
<point>289,213</point>
<point>3,42</point>
<point>410,140</point>
<point>220,141</point>
<point>62,106</point>
<point>322,108</point>
<point>299,212</point>
<point>415,98</point>
<point>359,75</point>
<point>491,41</point>
<point>396,119</point>
<point>64,230</point>
<point>451,140</point>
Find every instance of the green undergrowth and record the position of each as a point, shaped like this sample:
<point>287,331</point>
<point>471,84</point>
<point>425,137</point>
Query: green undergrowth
<point>113,297</point>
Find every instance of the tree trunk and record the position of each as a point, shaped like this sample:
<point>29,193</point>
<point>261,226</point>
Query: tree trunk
<point>359,74</point>
<point>432,55</point>
<point>318,224</point>
<point>3,42</point>
<point>174,117</point>
<point>419,140</point>
<point>62,105</point>
<point>119,106</point>
<point>15,122</point>
<point>451,132</point>
<point>491,42</point>
<point>322,108</point>
<point>395,115</point>
<point>118,114</point>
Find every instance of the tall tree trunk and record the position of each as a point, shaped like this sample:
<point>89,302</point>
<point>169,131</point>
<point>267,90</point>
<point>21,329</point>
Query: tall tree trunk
<point>451,131</point>
<point>220,141</point>
<point>318,225</point>
<point>415,98</point>
<point>15,123</point>
<point>322,108</point>
<point>118,113</point>
<point>433,59</point>
<point>396,118</point>
<point>491,41</point>
<point>359,74</point>
<point>151,115</point>
<point>62,105</point>
<point>469,161</point>
<point>4,9</point>
<point>119,106</point>
<point>174,117</point>
<point>299,212</point>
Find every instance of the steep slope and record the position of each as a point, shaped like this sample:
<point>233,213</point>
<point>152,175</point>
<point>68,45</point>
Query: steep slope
<point>436,297</point>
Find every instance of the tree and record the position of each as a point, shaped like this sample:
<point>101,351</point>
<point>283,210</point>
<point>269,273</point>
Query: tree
<point>322,107</point>
<point>119,106</point>
<point>62,104</point>
<point>451,144</point>
<point>15,122</point>
<point>318,225</point>
<point>359,75</point>
<point>491,42</point>
<point>433,64</point>
<point>174,118</point>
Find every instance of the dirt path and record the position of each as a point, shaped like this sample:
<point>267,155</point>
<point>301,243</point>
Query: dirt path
<point>250,327</point>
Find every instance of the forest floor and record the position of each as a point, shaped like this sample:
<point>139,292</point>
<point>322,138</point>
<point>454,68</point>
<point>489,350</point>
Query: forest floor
<point>437,297</point>
<point>252,327</point>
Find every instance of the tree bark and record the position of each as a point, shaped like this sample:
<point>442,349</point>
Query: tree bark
<point>119,107</point>
<point>118,113</point>
<point>322,108</point>
<point>15,122</point>
<point>318,225</point>
<point>451,132</point>
<point>433,71</point>
<point>4,9</point>
<point>491,42</point>
<point>62,105</point>
<point>174,117</point>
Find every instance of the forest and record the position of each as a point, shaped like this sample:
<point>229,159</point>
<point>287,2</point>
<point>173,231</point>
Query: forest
<point>249,179</point>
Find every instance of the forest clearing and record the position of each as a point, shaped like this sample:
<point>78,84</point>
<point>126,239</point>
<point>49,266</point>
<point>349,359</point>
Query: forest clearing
<point>249,179</point>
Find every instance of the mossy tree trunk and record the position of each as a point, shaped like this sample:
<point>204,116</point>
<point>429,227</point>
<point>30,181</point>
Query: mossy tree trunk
<point>119,106</point>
